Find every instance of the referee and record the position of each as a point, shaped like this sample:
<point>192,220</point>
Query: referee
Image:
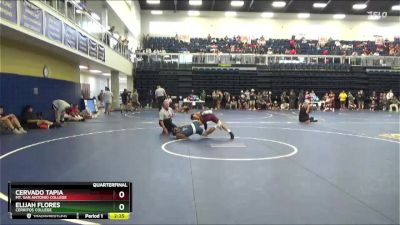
<point>160,95</point>
<point>166,114</point>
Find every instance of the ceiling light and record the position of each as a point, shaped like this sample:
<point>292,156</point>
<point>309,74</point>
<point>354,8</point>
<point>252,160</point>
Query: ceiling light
<point>237,3</point>
<point>319,5</point>
<point>303,15</point>
<point>396,8</point>
<point>374,17</point>
<point>82,67</point>
<point>78,11</point>
<point>195,2</point>
<point>107,74</point>
<point>156,12</point>
<point>193,13</point>
<point>153,2</point>
<point>359,6</point>
<point>339,16</point>
<point>267,14</point>
<point>95,71</point>
<point>230,13</point>
<point>278,4</point>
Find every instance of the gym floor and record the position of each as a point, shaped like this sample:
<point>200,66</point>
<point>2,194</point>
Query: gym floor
<point>342,170</point>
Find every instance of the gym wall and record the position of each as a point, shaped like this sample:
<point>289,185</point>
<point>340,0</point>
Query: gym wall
<point>22,81</point>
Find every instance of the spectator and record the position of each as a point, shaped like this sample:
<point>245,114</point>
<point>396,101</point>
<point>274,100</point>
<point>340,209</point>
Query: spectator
<point>160,95</point>
<point>108,97</point>
<point>100,97</point>
<point>383,101</point>
<point>270,51</point>
<point>227,97</point>
<point>214,96</point>
<point>220,96</point>
<point>107,36</point>
<point>203,95</point>
<point>233,103</point>
<point>332,98</point>
<point>135,99</point>
<point>60,107</point>
<point>284,101</point>
<point>389,96</point>
<point>269,100</point>
<point>166,114</point>
<point>34,120</point>
<point>360,99</point>
<point>252,97</point>
<point>351,104</point>
<point>242,100</point>
<point>125,100</point>
<point>343,98</point>
<point>301,98</point>
<point>374,104</point>
<point>292,99</point>
<point>73,114</point>
<point>10,122</point>
<point>150,99</point>
<point>394,104</point>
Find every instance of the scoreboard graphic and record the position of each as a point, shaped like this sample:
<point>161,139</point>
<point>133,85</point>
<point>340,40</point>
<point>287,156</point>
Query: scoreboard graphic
<point>70,200</point>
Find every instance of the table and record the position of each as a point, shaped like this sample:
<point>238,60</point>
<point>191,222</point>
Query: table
<point>193,104</point>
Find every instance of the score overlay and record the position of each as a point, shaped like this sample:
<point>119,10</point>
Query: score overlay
<point>70,200</point>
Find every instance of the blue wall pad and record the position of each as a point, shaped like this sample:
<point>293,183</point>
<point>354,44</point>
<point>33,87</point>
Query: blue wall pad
<point>17,91</point>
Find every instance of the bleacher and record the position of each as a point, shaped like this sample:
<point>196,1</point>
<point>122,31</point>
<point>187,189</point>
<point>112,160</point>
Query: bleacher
<point>278,46</point>
<point>179,81</point>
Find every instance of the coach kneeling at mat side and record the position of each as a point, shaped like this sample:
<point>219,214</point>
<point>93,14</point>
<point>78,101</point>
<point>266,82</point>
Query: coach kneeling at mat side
<point>166,115</point>
<point>305,110</point>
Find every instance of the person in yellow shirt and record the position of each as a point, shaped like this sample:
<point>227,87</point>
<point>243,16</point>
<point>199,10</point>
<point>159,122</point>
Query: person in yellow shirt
<point>343,98</point>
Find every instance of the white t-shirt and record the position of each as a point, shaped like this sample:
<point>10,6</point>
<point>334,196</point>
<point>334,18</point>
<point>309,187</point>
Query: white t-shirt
<point>61,104</point>
<point>389,95</point>
<point>159,92</point>
<point>107,96</point>
<point>166,114</point>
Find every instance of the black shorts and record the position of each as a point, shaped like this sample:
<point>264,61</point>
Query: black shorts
<point>168,124</point>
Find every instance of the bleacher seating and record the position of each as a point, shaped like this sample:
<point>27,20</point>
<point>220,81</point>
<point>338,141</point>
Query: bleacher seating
<point>278,46</point>
<point>275,77</point>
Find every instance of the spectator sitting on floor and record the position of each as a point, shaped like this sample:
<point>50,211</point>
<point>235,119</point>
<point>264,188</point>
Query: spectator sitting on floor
<point>284,101</point>
<point>373,98</point>
<point>233,103</point>
<point>10,122</point>
<point>73,114</point>
<point>33,120</point>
